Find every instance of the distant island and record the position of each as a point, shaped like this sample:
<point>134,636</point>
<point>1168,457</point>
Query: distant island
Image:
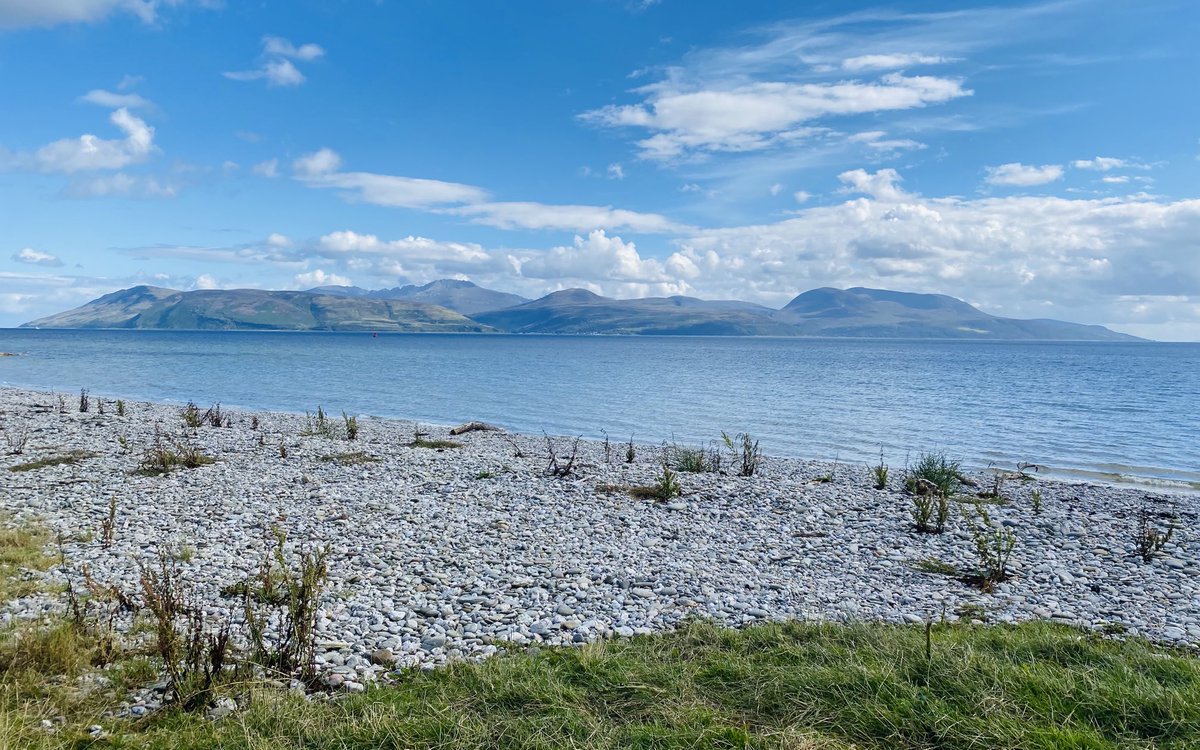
<point>456,306</point>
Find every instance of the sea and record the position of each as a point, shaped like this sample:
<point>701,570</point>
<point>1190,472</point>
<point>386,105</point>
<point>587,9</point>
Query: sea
<point>1115,412</point>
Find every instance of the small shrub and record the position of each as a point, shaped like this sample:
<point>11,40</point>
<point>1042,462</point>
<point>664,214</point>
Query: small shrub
<point>193,654</point>
<point>931,508</point>
<point>486,475</point>
<point>85,403</point>
<point>254,421</point>
<point>746,456</point>
<point>879,472</point>
<point>630,453</point>
<point>121,411</point>
<point>16,438</point>
<point>607,448</point>
<point>320,425</point>
<point>557,468</point>
<point>108,524</point>
<point>351,424</point>
<point>937,470</point>
<point>291,585</point>
<point>422,440</point>
<point>283,451</point>
<point>191,415</point>
<point>1149,539</point>
<point>1035,499</point>
<point>99,405</point>
<point>695,460</point>
<point>62,403</point>
<point>214,418</point>
<point>666,487</point>
<point>163,458</point>
<point>994,544</point>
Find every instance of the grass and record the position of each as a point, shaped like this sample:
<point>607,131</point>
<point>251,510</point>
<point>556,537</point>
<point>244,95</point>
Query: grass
<point>350,459</point>
<point>64,459</point>
<point>789,686</point>
<point>22,548</point>
<point>422,442</point>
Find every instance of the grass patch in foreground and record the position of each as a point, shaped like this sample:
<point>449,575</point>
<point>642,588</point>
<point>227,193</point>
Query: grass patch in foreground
<point>73,457</point>
<point>22,548</point>
<point>793,686</point>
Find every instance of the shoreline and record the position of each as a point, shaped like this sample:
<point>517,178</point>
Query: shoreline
<point>1085,476</point>
<point>465,552</point>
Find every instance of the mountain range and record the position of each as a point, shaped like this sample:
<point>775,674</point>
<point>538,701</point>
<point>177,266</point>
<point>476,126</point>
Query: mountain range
<point>451,305</point>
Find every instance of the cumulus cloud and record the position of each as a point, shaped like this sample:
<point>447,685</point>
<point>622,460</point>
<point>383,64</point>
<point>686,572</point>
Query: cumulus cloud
<point>320,278</point>
<point>90,152</point>
<point>36,258</point>
<point>610,264</point>
<point>616,172</point>
<point>1024,256</point>
<point>19,13</point>
<point>276,66</point>
<point>892,61</point>
<point>754,116</point>
<point>1023,175</point>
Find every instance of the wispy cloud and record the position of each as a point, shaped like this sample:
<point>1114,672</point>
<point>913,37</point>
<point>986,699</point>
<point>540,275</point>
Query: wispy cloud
<point>276,66</point>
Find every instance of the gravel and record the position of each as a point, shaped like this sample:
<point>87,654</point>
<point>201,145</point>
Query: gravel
<point>462,553</point>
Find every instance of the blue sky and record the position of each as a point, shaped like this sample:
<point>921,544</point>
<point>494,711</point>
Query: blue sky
<point>1036,159</point>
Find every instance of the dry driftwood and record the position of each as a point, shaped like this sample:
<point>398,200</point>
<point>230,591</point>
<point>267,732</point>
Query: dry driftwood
<point>462,429</point>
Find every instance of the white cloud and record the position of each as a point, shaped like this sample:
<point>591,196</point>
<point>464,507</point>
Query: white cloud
<point>616,172</point>
<point>275,46</point>
<point>320,278</point>
<point>276,66</point>
<point>1115,179</point>
<point>533,215</point>
<point>598,260</point>
<point>111,100</point>
<point>802,196</point>
<point>320,170</point>
<point>881,185</point>
<point>206,281</point>
<point>121,184</point>
<point>1023,175</point>
<point>19,13</point>
<point>1011,254</point>
<point>777,188</point>
<point>89,152</point>
<point>892,61</point>
<point>755,116</point>
<point>1100,163</point>
<point>268,168</point>
<point>36,258</point>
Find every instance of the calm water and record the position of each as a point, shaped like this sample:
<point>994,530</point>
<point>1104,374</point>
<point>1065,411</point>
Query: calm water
<point>1116,411</point>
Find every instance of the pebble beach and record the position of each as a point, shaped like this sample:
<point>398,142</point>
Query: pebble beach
<point>463,552</point>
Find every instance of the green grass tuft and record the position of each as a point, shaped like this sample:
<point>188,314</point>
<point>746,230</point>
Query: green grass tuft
<point>65,459</point>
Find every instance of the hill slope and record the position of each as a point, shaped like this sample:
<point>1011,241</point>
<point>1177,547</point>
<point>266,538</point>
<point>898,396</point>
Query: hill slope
<point>882,313</point>
<point>461,296</point>
<point>581,311</point>
<point>254,309</point>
